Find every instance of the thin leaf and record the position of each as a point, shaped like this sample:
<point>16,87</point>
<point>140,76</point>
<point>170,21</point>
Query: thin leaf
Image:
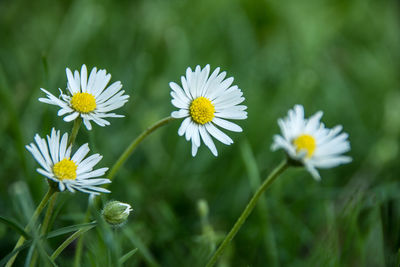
<point>15,226</point>
<point>30,255</point>
<point>69,229</point>
<point>44,254</point>
<point>70,239</point>
<point>127,256</point>
<point>15,251</point>
<point>148,257</point>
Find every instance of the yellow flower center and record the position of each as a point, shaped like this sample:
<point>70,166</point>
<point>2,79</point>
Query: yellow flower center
<point>305,142</point>
<point>202,110</point>
<point>65,169</point>
<point>83,102</point>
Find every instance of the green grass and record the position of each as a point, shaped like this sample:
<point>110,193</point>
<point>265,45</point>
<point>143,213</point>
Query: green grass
<point>338,56</point>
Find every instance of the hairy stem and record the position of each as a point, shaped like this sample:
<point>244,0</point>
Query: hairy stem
<point>129,150</point>
<point>74,131</point>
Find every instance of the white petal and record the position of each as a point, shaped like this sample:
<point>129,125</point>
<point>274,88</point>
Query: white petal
<point>83,78</point>
<point>92,80</point>
<point>63,146</point>
<point>179,91</point>
<point>194,149</point>
<point>184,126</point>
<point>80,154</point>
<point>87,124</point>
<point>218,134</point>
<point>74,88</point>
<point>196,136</point>
<point>109,92</point>
<point>61,186</point>
<point>329,162</point>
<point>88,163</point>
<point>179,104</point>
<point>227,125</point>
<point>207,140</point>
<point>235,115</point>
<point>189,131</point>
<point>71,117</point>
<point>95,173</point>
<point>38,156</point>
<point>42,145</point>
<point>180,113</point>
<point>313,171</point>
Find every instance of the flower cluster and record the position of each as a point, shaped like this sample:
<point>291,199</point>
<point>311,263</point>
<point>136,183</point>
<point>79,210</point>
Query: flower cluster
<point>88,99</point>
<point>206,102</point>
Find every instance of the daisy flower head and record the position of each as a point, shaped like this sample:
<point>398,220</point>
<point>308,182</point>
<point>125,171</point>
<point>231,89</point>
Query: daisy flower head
<point>89,98</point>
<point>71,173</point>
<point>309,143</point>
<point>206,101</point>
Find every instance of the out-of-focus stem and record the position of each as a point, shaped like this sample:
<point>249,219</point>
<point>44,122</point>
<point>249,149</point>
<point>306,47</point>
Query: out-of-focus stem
<point>32,221</point>
<point>129,150</point>
<point>250,206</point>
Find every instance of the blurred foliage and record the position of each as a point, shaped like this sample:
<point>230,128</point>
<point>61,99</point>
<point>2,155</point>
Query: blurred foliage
<point>342,57</point>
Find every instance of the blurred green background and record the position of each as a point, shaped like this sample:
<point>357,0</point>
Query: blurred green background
<point>339,56</point>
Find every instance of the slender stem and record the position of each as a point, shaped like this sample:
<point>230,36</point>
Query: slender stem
<point>69,240</point>
<point>79,245</point>
<point>250,206</point>
<point>32,221</point>
<point>74,131</point>
<point>128,151</point>
<point>71,140</point>
<point>49,212</point>
<point>117,165</point>
<point>45,224</point>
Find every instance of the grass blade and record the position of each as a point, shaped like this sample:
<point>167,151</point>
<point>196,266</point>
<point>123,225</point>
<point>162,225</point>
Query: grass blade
<point>127,256</point>
<point>69,229</point>
<point>15,251</point>
<point>69,240</point>
<point>19,229</point>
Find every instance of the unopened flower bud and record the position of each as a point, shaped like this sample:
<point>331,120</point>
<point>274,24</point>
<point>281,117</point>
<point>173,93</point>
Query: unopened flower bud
<point>116,213</point>
<point>202,208</point>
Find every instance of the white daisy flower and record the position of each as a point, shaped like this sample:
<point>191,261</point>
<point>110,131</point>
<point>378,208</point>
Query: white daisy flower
<point>88,98</point>
<point>74,173</point>
<point>206,102</point>
<point>308,142</point>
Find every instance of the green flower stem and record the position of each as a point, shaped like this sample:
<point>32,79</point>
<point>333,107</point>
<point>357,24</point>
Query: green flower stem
<point>74,131</point>
<point>45,224</point>
<point>32,221</point>
<point>49,212</point>
<point>117,165</point>
<point>128,151</point>
<point>250,206</point>
<point>79,246</point>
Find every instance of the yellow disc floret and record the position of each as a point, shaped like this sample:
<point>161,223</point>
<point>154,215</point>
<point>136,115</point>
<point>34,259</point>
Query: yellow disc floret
<point>83,102</point>
<point>305,142</point>
<point>65,169</point>
<point>201,110</point>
